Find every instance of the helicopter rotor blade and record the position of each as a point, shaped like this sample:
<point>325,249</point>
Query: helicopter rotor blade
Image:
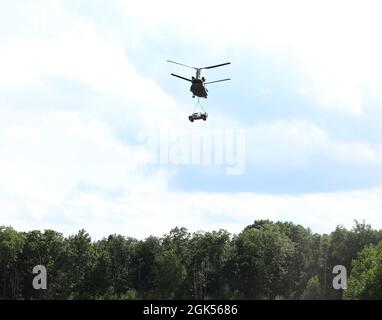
<point>175,75</point>
<point>218,81</point>
<point>181,64</point>
<point>218,65</point>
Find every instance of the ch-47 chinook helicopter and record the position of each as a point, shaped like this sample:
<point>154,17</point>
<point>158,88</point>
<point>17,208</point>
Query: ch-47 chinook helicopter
<point>198,83</point>
<point>198,86</point>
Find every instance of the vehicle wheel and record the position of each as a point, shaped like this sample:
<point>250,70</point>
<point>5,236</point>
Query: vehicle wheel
<point>204,118</point>
<point>191,119</point>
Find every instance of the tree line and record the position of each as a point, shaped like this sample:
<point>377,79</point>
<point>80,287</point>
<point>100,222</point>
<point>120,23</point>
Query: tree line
<point>267,260</point>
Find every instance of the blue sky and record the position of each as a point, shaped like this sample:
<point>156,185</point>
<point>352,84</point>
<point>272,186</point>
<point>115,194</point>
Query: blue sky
<point>80,81</point>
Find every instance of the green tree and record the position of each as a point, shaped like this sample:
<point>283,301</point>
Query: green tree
<point>11,245</point>
<point>47,249</point>
<point>365,281</point>
<point>114,271</point>
<point>303,264</point>
<point>208,257</point>
<point>313,290</point>
<point>344,247</point>
<point>145,281</point>
<point>169,274</point>
<point>266,260</point>
<point>81,263</point>
<point>178,242</point>
<point>262,256</point>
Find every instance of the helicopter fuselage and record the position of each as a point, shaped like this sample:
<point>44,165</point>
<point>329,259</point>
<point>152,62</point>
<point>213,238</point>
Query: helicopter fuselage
<point>198,88</point>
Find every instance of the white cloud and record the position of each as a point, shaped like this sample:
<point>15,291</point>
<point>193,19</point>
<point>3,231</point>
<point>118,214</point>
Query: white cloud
<point>82,54</point>
<point>156,212</point>
<point>49,162</point>
<point>298,143</point>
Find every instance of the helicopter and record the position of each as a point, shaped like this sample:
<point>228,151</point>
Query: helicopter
<point>198,84</point>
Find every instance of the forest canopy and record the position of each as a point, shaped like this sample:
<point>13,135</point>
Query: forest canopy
<point>267,260</point>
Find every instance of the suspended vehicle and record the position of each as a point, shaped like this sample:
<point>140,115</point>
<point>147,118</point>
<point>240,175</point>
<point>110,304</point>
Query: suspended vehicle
<point>198,116</point>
